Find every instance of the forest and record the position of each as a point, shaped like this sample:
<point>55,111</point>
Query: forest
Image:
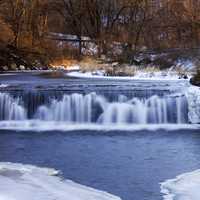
<point>99,99</point>
<point>48,30</point>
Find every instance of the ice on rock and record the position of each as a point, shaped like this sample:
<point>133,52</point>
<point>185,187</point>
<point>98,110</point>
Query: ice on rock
<point>193,97</point>
<point>22,182</point>
<point>183,187</point>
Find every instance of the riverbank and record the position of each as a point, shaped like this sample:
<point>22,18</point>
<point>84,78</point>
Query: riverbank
<point>185,186</point>
<point>15,59</point>
<point>139,75</point>
<point>20,182</point>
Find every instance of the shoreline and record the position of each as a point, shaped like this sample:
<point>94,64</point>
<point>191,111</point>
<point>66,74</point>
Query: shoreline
<point>89,75</point>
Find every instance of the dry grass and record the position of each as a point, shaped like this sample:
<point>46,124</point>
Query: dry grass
<point>86,65</point>
<point>148,69</point>
<point>66,63</point>
<point>90,64</point>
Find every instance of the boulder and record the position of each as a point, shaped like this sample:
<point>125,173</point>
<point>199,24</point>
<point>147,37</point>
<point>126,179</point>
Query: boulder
<point>22,67</point>
<point>115,64</point>
<point>5,68</point>
<point>13,66</point>
<point>196,79</point>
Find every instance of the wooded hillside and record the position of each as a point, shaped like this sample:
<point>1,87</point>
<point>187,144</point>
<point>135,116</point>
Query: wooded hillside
<point>134,25</point>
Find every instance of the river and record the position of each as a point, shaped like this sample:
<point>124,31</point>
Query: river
<point>123,137</point>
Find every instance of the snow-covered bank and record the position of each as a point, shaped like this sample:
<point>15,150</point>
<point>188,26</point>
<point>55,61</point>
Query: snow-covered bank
<point>4,85</point>
<point>193,96</point>
<point>26,182</point>
<point>70,68</point>
<point>183,187</point>
<point>160,76</point>
<point>40,126</point>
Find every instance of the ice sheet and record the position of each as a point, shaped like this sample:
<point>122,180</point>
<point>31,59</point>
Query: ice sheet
<point>183,187</point>
<point>26,182</point>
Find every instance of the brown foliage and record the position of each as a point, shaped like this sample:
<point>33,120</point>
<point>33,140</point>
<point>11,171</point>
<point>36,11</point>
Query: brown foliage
<point>133,23</point>
<point>6,34</point>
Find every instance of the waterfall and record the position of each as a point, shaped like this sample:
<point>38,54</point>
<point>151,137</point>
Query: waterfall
<point>78,108</point>
<point>94,108</point>
<point>155,110</point>
<point>10,108</point>
<point>71,108</point>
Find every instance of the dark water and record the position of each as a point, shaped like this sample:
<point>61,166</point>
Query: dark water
<point>37,81</point>
<point>130,165</point>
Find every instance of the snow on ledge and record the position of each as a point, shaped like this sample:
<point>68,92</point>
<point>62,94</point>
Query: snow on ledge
<point>27,182</point>
<point>193,98</point>
<point>183,187</point>
<point>139,76</point>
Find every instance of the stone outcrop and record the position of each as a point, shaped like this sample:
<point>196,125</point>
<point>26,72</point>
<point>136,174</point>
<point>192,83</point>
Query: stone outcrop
<point>196,79</point>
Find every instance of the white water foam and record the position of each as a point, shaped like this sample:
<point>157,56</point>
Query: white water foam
<point>26,182</point>
<point>40,126</point>
<point>183,187</point>
<point>10,108</point>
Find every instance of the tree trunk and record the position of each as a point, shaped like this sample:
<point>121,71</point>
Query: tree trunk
<point>79,47</point>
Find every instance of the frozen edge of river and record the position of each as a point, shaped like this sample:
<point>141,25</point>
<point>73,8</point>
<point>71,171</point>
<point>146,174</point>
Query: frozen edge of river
<point>185,186</point>
<point>141,76</point>
<point>22,182</point>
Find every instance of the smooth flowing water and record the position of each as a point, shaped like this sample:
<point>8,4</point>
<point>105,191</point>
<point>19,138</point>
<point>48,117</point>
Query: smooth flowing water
<point>93,108</point>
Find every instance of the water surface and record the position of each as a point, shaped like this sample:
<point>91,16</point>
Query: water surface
<point>128,164</point>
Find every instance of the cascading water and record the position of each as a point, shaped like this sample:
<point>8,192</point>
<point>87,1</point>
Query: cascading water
<point>10,108</point>
<point>72,108</point>
<point>155,110</point>
<point>93,108</point>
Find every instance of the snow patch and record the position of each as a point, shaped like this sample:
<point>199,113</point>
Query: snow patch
<point>193,97</point>
<point>183,187</point>
<point>187,65</point>
<point>22,182</point>
<point>139,76</point>
<point>4,85</point>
